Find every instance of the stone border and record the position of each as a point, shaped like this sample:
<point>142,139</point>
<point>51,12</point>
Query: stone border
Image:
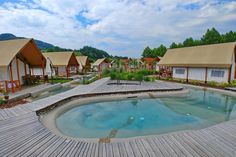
<point>48,117</point>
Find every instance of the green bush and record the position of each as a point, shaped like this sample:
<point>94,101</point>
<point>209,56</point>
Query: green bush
<point>138,77</point>
<point>2,101</point>
<point>105,72</point>
<point>212,83</point>
<point>113,75</point>
<point>233,83</point>
<point>223,84</point>
<point>147,79</point>
<point>130,76</point>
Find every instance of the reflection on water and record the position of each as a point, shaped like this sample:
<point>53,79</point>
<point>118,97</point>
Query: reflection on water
<point>138,117</point>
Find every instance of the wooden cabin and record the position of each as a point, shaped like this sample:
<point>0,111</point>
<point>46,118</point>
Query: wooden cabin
<point>64,63</point>
<point>150,63</point>
<point>202,63</point>
<point>17,59</point>
<point>100,65</point>
<point>84,64</point>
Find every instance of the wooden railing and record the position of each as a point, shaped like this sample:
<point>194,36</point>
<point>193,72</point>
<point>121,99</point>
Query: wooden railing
<point>2,86</point>
<point>9,86</point>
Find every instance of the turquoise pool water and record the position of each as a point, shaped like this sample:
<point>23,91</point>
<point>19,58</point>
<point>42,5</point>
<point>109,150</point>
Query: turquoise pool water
<point>139,117</point>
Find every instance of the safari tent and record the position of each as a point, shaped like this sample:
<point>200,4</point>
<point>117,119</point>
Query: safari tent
<point>84,63</point>
<point>203,63</point>
<point>64,63</point>
<point>17,59</point>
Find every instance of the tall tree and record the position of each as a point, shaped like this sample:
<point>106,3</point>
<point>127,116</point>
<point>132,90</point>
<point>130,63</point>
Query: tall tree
<point>147,52</point>
<point>173,45</point>
<point>212,36</point>
<point>189,42</point>
<point>229,37</point>
<point>161,51</point>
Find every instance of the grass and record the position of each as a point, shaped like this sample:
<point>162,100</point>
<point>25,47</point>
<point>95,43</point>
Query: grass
<point>91,80</point>
<point>139,75</point>
<point>60,80</point>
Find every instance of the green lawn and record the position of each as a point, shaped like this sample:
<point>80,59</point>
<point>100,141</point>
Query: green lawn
<point>60,80</point>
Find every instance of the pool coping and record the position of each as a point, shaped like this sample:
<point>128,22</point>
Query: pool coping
<point>48,117</point>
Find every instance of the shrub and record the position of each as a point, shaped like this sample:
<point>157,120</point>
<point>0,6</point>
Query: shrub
<point>223,84</point>
<point>212,83</point>
<point>195,82</point>
<point>105,72</point>
<point>130,76</point>
<point>233,83</point>
<point>138,77</point>
<point>2,101</point>
<point>113,75</point>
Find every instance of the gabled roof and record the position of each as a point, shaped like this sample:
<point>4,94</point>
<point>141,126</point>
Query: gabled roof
<point>82,60</point>
<point>60,58</point>
<point>24,47</point>
<point>99,61</point>
<point>217,55</point>
<point>150,60</point>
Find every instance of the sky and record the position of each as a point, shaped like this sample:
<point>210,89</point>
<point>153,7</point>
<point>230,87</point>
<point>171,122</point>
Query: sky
<point>120,27</point>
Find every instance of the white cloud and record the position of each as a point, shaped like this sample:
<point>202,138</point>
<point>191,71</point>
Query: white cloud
<point>121,26</point>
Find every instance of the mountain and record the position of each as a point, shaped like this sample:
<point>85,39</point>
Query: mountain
<point>89,51</point>
<point>40,44</point>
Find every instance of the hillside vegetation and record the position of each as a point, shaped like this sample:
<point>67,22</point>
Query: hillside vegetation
<point>212,36</point>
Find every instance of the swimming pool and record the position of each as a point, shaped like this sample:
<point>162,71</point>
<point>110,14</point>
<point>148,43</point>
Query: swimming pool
<point>140,117</point>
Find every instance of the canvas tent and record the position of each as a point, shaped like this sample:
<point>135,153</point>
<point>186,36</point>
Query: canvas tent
<point>84,64</point>
<point>205,63</point>
<point>17,59</point>
<point>64,63</point>
<point>100,65</point>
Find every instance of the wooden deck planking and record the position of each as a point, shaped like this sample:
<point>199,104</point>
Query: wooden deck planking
<point>21,134</point>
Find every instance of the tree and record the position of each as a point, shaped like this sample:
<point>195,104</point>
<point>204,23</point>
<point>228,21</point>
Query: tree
<point>173,45</point>
<point>161,51</point>
<point>147,52</point>
<point>229,37</point>
<point>212,36</point>
<point>189,42</point>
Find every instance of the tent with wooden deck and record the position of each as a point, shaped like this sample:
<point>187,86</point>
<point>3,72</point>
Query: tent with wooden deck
<point>84,63</point>
<point>17,59</point>
<point>64,63</point>
<point>204,63</point>
<point>101,64</point>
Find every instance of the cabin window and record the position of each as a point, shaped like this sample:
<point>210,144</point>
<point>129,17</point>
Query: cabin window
<point>179,71</point>
<point>217,73</point>
<point>72,68</point>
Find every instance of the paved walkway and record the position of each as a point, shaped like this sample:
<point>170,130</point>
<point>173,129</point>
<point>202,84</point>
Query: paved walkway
<point>21,134</point>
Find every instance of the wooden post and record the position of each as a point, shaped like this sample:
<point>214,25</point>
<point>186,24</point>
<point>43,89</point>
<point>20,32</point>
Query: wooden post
<point>29,71</point>
<point>11,78</point>
<point>66,72</point>
<point>229,76</point>
<point>18,71</point>
<point>43,70</point>
<point>206,75</point>
<point>25,70</point>
<point>187,74</point>
<point>32,71</point>
<point>235,71</point>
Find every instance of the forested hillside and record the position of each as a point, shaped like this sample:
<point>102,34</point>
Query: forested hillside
<point>212,36</point>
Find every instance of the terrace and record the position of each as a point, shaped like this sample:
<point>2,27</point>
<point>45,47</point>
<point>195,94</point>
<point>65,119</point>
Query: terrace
<point>24,135</point>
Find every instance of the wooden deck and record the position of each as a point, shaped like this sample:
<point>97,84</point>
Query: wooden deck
<point>21,134</point>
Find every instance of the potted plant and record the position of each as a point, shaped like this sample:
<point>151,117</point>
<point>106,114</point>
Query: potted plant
<point>6,96</point>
